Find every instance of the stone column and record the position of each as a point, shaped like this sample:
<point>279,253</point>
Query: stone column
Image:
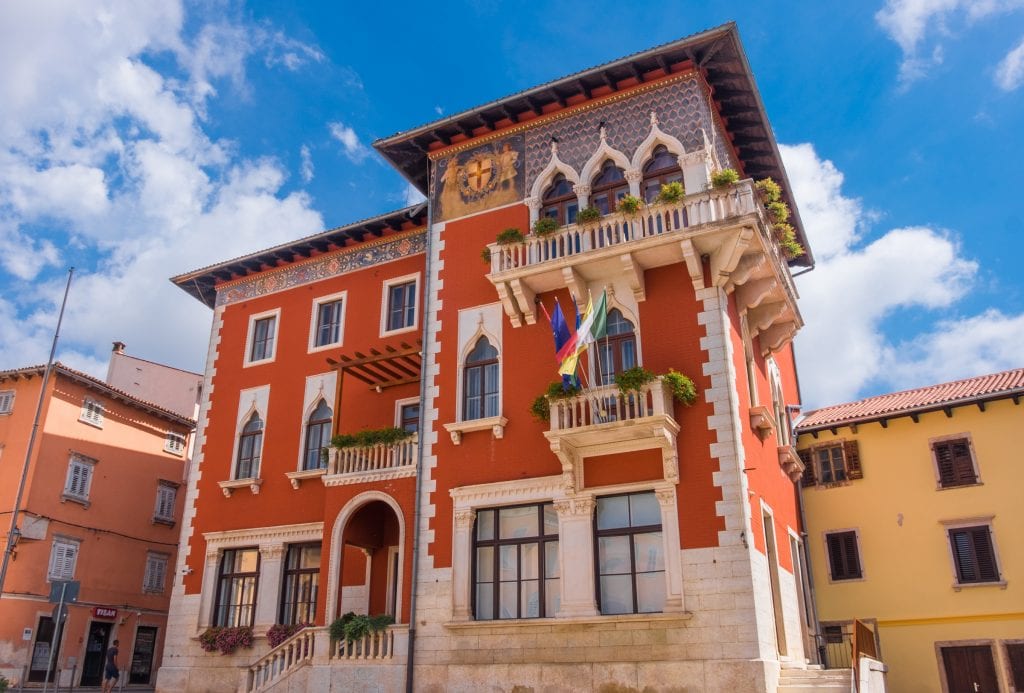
<point>582,191</point>
<point>268,591</point>
<point>673,554</point>
<point>576,556</point>
<point>634,177</point>
<point>462,561</point>
<point>696,171</point>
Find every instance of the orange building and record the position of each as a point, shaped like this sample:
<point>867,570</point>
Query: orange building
<point>101,507</point>
<point>620,538</point>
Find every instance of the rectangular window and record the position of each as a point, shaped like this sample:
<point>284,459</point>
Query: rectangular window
<point>236,588</point>
<point>630,554</point>
<point>515,563</point>
<point>301,584</point>
<point>262,347</point>
<point>954,462</point>
<point>79,478</point>
<point>409,417</point>
<point>165,497</point>
<point>401,306</point>
<point>174,443</point>
<point>92,413</point>
<point>830,464</point>
<point>329,316</point>
<point>843,555</point>
<point>6,401</point>
<point>973,554</point>
<point>63,557</point>
<point>156,573</point>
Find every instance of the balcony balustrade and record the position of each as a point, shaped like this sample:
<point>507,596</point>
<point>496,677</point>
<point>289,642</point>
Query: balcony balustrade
<point>370,462</point>
<point>726,227</point>
<point>603,420</point>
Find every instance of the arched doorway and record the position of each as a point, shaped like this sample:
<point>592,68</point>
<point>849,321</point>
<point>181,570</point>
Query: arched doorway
<point>366,558</point>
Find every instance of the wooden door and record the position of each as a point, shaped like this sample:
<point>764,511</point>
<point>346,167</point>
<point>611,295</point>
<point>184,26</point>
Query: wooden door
<point>970,669</point>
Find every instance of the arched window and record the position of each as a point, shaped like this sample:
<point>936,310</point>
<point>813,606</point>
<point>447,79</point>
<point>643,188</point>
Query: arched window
<point>617,350</point>
<point>318,436</point>
<point>662,168</point>
<point>608,187</point>
<point>480,382</point>
<point>250,446</point>
<point>778,401</point>
<point>560,201</point>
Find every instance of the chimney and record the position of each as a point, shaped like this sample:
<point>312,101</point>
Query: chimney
<point>118,347</point>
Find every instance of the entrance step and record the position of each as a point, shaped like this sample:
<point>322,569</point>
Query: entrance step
<point>805,680</point>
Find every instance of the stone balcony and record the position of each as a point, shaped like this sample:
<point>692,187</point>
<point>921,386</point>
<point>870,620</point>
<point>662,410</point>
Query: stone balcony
<point>371,463</point>
<point>722,235</point>
<point>603,421</point>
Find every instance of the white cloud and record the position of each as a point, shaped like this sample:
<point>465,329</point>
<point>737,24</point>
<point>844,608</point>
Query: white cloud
<point>413,196</point>
<point>914,23</point>
<point>1010,70</point>
<point>355,150</point>
<point>118,177</point>
<point>306,167</point>
<point>856,286</point>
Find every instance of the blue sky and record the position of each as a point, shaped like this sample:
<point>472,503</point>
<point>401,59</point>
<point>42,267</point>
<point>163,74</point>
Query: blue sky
<point>142,140</point>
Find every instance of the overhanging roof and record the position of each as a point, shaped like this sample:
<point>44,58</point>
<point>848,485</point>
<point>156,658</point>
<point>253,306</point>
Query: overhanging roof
<point>716,52</point>
<point>201,283</point>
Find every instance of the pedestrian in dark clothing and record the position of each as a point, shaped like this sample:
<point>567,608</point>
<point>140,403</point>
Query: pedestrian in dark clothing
<point>111,673</point>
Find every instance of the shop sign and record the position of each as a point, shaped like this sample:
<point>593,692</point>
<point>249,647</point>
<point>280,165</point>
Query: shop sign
<point>104,612</point>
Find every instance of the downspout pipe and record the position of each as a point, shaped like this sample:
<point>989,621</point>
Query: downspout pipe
<point>420,452</point>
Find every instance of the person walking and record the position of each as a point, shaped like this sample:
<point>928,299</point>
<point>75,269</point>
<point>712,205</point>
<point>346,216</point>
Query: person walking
<point>111,673</point>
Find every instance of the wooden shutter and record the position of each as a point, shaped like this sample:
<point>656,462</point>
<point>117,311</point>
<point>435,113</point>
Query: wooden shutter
<point>985,556</point>
<point>843,557</point>
<point>1015,653</point>
<point>954,462</point>
<point>975,558</point>
<point>851,451</point>
<point>807,458</point>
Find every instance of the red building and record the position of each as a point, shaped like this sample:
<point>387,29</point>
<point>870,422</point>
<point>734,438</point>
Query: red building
<point>627,539</point>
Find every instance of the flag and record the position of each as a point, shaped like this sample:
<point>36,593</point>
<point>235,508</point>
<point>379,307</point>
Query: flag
<point>559,328</point>
<point>592,327</point>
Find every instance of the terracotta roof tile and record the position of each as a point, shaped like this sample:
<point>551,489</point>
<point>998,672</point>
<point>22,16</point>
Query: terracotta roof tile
<point>965,391</point>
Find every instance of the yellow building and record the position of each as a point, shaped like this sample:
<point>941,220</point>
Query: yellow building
<point>914,505</point>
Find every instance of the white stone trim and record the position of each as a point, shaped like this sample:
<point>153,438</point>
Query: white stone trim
<point>496,424</point>
<point>314,318</point>
<point>250,334</point>
<point>385,306</point>
<point>553,168</point>
<point>336,548</point>
<point>320,385</point>
<point>250,400</point>
<point>476,322</point>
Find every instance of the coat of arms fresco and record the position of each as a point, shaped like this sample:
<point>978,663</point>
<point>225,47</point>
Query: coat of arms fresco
<point>485,177</point>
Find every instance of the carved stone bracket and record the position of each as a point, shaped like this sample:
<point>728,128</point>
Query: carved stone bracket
<point>635,275</point>
<point>496,424</point>
<point>693,263</point>
<point>227,487</point>
<point>790,462</point>
<point>575,506</point>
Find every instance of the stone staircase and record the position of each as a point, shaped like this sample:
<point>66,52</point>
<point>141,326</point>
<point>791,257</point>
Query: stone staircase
<point>814,679</point>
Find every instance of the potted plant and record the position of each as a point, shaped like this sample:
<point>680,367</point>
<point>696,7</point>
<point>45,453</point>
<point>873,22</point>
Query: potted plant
<point>226,640</point>
<point>370,437</point>
<point>633,379</point>
<point>671,192</point>
<point>785,234</point>
<point>545,226</point>
<point>683,389</point>
<point>724,178</point>
<point>509,236</point>
<point>354,626</point>
<point>486,255</point>
<point>588,215</point>
<point>629,205</point>
<point>279,632</point>
<point>541,407</point>
<point>769,190</point>
<point>778,211</point>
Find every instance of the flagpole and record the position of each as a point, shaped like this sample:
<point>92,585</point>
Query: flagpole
<point>13,534</point>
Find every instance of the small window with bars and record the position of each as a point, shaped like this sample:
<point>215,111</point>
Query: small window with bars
<point>954,463</point>
<point>166,494</point>
<point>156,573</point>
<point>174,443</point>
<point>973,554</point>
<point>79,478</point>
<point>92,413</point>
<point>843,555</point>
<point>63,557</point>
<point>6,401</point>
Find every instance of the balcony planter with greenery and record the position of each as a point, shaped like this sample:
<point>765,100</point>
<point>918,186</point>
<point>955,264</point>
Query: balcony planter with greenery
<point>778,211</point>
<point>541,407</point>
<point>588,215</point>
<point>486,255</point>
<point>4,684</point>
<point>769,190</point>
<point>545,226</point>
<point>354,626</point>
<point>636,378</point>
<point>629,205</point>
<point>724,178</point>
<point>671,193</point>
<point>509,236</point>
<point>786,236</point>
<point>279,632</point>
<point>370,437</point>
<point>226,640</point>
